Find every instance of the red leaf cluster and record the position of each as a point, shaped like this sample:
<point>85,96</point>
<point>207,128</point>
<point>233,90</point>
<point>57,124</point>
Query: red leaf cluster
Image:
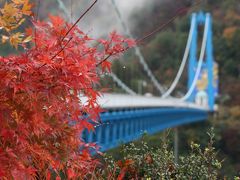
<point>42,115</point>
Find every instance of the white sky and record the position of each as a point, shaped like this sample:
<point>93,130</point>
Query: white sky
<point>102,18</point>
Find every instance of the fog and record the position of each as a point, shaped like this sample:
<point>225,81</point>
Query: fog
<point>102,18</point>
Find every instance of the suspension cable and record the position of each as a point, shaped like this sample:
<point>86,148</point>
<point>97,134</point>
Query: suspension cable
<point>200,62</point>
<point>184,60</point>
<point>138,52</point>
<point>63,7</point>
<point>122,84</point>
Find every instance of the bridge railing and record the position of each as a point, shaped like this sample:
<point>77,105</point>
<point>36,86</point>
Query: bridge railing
<point>124,126</point>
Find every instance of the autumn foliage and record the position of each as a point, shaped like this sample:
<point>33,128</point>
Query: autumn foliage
<point>12,16</point>
<point>42,113</point>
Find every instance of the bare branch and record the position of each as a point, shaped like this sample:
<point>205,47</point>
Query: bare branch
<point>160,28</point>
<point>71,28</point>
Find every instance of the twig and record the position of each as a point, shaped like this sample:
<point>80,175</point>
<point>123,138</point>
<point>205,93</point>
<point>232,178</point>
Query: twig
<point>71,9</point>
<point>180,11</point>
<point>160,28</point>
<point>90,7</point>
<point>38,8</point>
<point>36,18</point>
<point>105,59</point>
<point>57,52</point>
<point>62,48</point>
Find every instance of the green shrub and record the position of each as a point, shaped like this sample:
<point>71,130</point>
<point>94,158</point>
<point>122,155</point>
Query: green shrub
<point>139,161</point>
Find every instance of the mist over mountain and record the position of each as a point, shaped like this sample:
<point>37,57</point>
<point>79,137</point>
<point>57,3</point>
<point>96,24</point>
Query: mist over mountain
<point>102,19</point>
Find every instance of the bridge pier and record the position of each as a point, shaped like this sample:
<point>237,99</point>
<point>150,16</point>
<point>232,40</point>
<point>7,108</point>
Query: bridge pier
<point>176,150</point>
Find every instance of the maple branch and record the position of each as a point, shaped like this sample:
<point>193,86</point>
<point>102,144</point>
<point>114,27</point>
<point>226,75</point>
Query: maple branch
<point>36,17</point>
<point>111,54</point>
<point>38,8</point>
<point>57,52</point>
<point>62,48</point>
<point>105,59</point>
<point>57,85</point>
<point>71,28</point>
<point>90,7</point>
<point>71,9</point>
<point>179,12</point>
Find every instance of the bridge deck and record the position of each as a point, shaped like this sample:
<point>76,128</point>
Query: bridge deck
<point>129,116</point>
<point>123,101</point>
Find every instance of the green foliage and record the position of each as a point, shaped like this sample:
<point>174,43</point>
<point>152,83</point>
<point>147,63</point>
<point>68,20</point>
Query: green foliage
<point>227,138</point>
<point>144,162</point>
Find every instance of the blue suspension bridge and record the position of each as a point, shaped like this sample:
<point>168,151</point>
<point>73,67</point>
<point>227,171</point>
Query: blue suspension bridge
<point>129,115</point>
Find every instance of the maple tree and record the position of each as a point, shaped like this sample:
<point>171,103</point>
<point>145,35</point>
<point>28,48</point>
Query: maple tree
<point>42,115</point>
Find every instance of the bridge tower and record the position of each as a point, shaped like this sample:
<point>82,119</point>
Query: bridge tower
<point>206,86</point>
